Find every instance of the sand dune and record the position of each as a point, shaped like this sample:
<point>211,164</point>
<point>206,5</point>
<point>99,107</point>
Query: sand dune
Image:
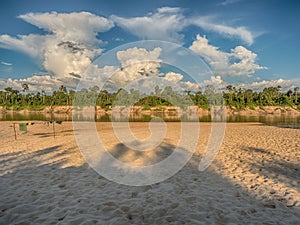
<point>255,179</point>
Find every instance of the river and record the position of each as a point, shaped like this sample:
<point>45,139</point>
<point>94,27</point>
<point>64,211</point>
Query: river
<point>278,120</point>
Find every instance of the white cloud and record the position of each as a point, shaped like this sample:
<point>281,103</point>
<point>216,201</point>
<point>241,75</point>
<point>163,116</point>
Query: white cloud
<point>166,24</point>
<point>41,81</point>
<point>259,86</point>
<point>137,55</point>
<point>217,59</point>
<point>239,62</point>
<point>79,27</point>
<point>31,44</point>
<point>189,86</point>
<point>67,58</point>
<point>6,63</point>
<point>119,39</point>
<point>140,70</point>
<point>215,81</point>
<point>175,81</point>
<point>228,2</point>
<point>71,42</point>
<point>69,46</point>
<point>246,64</point>
<point>95,73</point>
<point>219,84</point>
<point>35,83</point>
<point>241,32</point>
<point>136,63</point>
<point>169,10</point>
<point>173,77</point>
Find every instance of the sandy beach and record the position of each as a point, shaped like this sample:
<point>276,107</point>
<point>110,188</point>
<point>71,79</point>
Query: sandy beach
<point>255,179</point>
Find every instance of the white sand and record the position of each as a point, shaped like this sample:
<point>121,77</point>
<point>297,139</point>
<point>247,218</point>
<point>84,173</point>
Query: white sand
<point>255,179</point>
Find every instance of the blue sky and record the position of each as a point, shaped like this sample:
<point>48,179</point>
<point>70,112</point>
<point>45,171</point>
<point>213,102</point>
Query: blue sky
<point>248,43</point>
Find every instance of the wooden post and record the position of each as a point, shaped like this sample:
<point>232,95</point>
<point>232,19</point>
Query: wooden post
<point>15,131</point>
<point>53,129</point>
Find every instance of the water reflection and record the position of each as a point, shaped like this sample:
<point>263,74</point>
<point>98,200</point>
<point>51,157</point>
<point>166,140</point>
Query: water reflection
<point>282,121</point>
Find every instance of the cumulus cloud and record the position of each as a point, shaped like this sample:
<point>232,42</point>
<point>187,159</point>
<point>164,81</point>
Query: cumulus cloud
<point>189,86</point>
<point>41,81</point>
<point>219,84</point>
<point>136,63</point>
<point>66,58</point>
<point>215,81</point>
<point>260,85</point>
<point>148,85</point>
<point>139,69</point>
<point>239,62</point>
<point>137,55</point>
<point>69,45</point>
<point>36,83</point>
<point>66,50</point>
<point>94,73</point>
<point>71,42</point>
<point>217,59</point>
<point>246,64</point>
<point>79,27</point>
<point>173,77</point>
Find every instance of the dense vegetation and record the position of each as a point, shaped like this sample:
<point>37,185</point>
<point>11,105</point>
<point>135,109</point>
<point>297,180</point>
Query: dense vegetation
<point>233,97</point>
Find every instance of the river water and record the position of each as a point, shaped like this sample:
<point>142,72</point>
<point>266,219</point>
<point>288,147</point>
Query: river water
<point>278,120</point>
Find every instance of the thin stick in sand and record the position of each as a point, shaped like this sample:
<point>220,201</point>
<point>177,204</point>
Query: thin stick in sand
<point>15,131</point>
<point>53,129</point>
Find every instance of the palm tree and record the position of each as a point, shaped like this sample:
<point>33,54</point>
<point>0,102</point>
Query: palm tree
<point>296,89</point>
<point>63,89</point>
<point>25,87</point>
<point>43,96</point>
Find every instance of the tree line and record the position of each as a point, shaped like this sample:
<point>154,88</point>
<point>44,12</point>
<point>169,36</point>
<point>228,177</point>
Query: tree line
<point>233,97</point>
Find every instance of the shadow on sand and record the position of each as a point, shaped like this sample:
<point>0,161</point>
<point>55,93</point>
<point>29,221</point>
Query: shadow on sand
<point>274,166</point>
<point>36,192</point>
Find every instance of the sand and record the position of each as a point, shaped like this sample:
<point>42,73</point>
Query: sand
<point>255,179</point>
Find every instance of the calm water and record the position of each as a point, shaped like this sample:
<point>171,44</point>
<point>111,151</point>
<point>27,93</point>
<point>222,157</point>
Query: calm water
<point>282,121</point>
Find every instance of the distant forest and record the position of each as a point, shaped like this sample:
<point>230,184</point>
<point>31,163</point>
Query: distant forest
<point>235,98</point>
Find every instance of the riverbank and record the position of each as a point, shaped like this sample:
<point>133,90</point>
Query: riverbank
<point>257,111</point>
<point>253,180</point>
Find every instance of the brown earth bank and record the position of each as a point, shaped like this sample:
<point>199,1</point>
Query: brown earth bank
<point>257,111</point>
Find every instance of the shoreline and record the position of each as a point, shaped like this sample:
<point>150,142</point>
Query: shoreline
<point>257,111</point>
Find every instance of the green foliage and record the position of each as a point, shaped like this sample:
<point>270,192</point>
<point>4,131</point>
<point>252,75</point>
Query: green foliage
<point>252,107</point>
<point>237,99</point>
<point>146,108</point>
